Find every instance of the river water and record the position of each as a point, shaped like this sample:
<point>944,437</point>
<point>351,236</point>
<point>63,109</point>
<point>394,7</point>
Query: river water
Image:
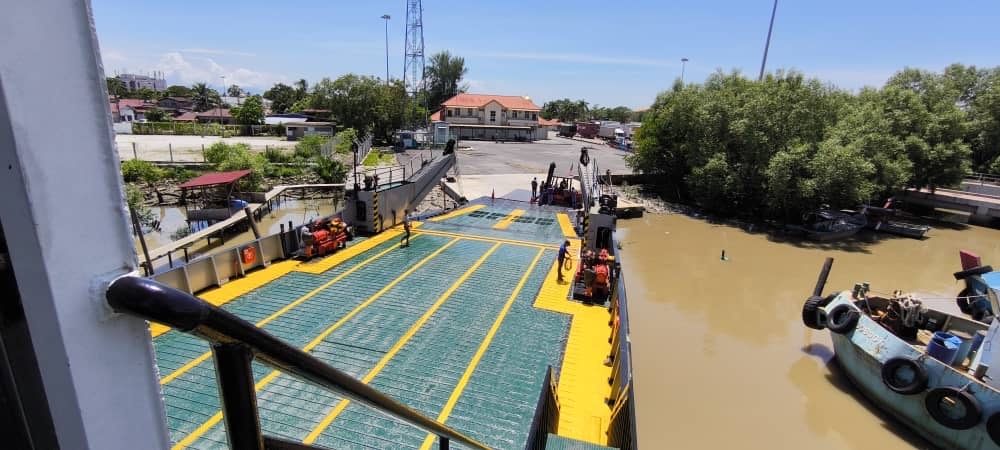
<point>721,358</point>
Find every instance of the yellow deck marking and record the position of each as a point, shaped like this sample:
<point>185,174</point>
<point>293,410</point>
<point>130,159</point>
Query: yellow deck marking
<point>566,225</point>
<point>228,292</point>
<point>399,344</point>
<point>204,356</point>
<point>464,380</point>
<point>456,213</point>
<point>583,379</point>
<point>312,344</point>
<point>473,237</point>
<point>506,221</point>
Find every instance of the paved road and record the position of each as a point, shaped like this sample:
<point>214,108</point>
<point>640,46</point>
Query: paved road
<point>489,158</point>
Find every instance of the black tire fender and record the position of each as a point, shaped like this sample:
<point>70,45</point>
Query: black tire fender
<point>890,372</point>
<point>963,302</point>
<point>973,412</point>
<point>978,270</point>
<point>810,311</point>
<point>993,428</point>
<point>842,319</point>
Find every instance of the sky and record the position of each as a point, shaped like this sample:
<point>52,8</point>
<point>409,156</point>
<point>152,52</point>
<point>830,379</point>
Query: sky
<point>607,53</point>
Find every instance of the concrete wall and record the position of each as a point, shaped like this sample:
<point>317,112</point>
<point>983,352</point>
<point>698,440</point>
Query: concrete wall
<point>981,188</point>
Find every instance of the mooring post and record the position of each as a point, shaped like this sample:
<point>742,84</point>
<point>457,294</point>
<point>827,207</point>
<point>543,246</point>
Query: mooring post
<point>203,153</point>
<point>170,146</point>
<point>135,154</point>
<point>253,223</point>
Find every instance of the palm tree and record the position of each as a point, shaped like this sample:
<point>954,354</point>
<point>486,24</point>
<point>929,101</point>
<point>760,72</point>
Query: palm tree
<point>203,98</point>
<point>444,75</point>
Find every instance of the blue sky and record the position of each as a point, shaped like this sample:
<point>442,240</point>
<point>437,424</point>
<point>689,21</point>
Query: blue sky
<point>608,53</point>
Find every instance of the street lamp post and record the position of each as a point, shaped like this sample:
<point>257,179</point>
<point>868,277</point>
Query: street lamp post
<point>683,63</point>
<point>219,108</point>
<point>386,18</point>
<point>767,44</point>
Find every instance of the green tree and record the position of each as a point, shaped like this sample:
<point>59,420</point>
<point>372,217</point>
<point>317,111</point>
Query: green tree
<point>444,78</point>
<point>203,98</point>
<point>234,90</point>
<point>301,89</point>
<point>146,94</point>
<point>178,91</point>
<point>350,98</point>
<point>157,115</point>
<point>116,87</point>
<point>282,96</point>
<point>565,110</point>
<point>251,112</point>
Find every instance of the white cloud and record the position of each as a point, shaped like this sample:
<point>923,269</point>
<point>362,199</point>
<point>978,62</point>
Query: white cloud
<point>217,52</point>
<point>577,58</point>
<point>205,70</point>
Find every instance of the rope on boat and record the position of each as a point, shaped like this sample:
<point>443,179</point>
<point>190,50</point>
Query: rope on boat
<point>887,295</point>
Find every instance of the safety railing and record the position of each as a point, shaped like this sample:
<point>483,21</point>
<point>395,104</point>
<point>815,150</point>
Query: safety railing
<point>235,343</point>
<point>983,178</point>
<point>546,419</point>
<point>621,431</point>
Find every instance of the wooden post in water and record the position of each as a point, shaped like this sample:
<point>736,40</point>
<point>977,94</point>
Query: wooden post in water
<point>253,223</point>
<point>203,153</point>
<point>142,239</point>
<point>171,147</point>
<point>135,154</point>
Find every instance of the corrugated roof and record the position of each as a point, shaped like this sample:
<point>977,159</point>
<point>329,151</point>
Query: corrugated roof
<point>547,123</point>
<point>186,117</point>
<point>214,178</point>
<point>479,100</point>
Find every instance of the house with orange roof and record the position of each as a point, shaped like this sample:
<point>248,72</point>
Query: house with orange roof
<point>492,117</point>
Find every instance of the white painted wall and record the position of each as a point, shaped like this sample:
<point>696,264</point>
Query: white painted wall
<point>98,371</point>
<point>493,106</point>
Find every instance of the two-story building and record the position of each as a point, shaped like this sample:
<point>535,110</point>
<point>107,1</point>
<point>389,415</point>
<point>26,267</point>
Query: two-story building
<point>492,117</point>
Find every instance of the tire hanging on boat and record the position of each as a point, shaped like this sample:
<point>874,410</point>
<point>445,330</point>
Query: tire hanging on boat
<point>842,319</point>
<point>890,376</point>
<point>973,412</point>
<point>810,311</point>
<point>993,428</point>
<point>963,301</point>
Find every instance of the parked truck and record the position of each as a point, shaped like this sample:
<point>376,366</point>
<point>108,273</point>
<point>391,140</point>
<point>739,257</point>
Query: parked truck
<point>587,130</point>
<point>567,130</point>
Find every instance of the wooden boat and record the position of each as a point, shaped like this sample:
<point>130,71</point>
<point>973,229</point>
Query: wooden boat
<point>923,366</point>
<point>829,225</point>
<point>884,220</point>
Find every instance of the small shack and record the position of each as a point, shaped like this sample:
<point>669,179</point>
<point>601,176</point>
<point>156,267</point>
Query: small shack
<point>213,195</point>
<point>296,130</point>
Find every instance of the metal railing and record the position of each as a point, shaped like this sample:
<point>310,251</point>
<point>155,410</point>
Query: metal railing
<point>982,178</point>
<point>546,419</point>
<point>235,343</point>
<point>621,431</point>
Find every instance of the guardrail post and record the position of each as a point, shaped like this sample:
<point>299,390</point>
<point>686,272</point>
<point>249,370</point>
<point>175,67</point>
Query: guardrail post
<point>239,400</point>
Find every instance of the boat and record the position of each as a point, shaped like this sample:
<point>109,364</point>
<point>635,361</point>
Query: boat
<point>929,369</point>
<point>973,299</point>
<point>883,219</point>
<point>829,225</point>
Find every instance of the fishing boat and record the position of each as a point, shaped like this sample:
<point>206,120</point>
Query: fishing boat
<point>884,219</point>
<point>929,369</point>
<point>828,225</point>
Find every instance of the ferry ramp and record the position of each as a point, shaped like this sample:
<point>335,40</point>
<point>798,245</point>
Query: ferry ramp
<point>461,325</point>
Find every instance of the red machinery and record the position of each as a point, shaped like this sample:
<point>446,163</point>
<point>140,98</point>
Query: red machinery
<point>324,237</point>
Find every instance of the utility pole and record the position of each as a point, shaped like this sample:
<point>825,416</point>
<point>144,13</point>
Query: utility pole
<point>386,18</point>
<point>413,63</point>
<point>683,63</point>
<point>219,106</point>
<point>767,44</point>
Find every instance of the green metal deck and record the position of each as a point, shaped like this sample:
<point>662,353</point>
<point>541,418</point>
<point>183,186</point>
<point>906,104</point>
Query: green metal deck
<point>409,322</point>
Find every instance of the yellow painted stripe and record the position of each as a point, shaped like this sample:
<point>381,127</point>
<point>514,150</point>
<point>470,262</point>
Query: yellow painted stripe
<point>583,379</point>
<point>347,253</point>
<point>204,356</point>
<point>566,225</point>
<point>312,344</point>
<point>399,345</point>
<point>506,221</point>
<point>472,237</point>
<point>457,212</point>
<point>464,380</point>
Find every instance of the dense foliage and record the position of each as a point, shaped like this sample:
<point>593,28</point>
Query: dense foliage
<point>566,110</point>
<point>786,144</point>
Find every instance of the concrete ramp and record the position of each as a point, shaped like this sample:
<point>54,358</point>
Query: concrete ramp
<point>377,209</point>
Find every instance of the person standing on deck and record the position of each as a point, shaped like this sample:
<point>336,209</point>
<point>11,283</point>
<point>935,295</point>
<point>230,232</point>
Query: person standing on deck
<point>406,229</point>
<point>563,254</point>
<point>534,188</point>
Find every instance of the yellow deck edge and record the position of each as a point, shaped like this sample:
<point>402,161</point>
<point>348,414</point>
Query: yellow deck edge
<point>349,252</point>
<point>506,221</point>
<point>583,379</point>
<point>566,225</point>
<point>457,212</point>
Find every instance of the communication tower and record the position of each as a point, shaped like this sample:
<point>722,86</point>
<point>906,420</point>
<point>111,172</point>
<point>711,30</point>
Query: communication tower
<point>413,63</point>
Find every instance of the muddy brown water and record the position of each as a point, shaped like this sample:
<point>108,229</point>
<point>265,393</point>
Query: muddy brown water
<point>721,358</point>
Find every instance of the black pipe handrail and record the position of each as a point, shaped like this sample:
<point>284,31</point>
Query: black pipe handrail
<point>153,301</point>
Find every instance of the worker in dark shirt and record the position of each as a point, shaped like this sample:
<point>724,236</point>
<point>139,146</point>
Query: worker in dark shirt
<point>563,254</point>
<point>406,230</point>
<point>534,188</point>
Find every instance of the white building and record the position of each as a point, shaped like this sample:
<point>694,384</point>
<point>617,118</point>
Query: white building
<point>134,82</point>
<point>492,117</point>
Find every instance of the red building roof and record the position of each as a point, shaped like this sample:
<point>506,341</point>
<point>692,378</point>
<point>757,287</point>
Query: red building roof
<point>186,117</point>
<point>214,112</point>
<point>438,116</point>
<point>480,100</point>
<point>215,178</point>
<point>548,123</point>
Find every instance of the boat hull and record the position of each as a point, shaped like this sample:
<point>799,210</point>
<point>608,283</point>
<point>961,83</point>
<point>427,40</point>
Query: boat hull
<point>861,354</point>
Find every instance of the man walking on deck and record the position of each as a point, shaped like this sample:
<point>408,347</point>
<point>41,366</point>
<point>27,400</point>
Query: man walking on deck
<point>563,254</point>
<point>534,188</point>
<point>406,230</point>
